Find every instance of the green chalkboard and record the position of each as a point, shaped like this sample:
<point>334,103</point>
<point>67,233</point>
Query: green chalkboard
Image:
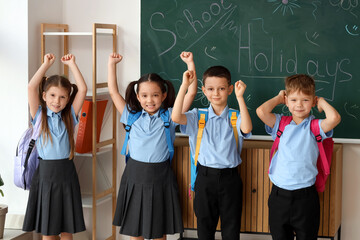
<point>261,42</point>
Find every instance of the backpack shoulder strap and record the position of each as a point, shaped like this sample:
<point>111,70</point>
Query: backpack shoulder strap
<point>315,129</point>
<point>164,114</point>
<point>233,115</point>
<point>36,128</point>
<point>285,120</point>
<point>131,119</point>
<point>203,117</point>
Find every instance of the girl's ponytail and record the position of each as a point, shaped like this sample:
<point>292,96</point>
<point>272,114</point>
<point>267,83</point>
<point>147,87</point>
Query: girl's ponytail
<point>170,97</point>
<point>131,98</point>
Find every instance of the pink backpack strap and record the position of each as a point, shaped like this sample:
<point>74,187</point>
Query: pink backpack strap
<point>315,129</point>
<point>285,120</point>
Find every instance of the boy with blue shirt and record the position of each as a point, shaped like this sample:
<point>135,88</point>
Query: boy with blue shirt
<point>218,186</point>
<point>294,202</point>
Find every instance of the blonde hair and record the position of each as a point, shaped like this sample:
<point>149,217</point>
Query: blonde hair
<point>300,82</point>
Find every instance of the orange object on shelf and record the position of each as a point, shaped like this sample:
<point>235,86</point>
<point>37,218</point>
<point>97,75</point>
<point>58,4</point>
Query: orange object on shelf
<point>84,136</point>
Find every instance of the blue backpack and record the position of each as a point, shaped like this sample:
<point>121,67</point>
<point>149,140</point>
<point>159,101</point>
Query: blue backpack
<point>203,117</point>
<point>26,159</point>
<point>164,115</point>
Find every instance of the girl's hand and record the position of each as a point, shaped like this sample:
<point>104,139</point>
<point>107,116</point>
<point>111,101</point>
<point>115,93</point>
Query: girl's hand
<point>115,58</point>
<point>188,77</point>
<point>240,87</point>
<point>68,59</point>
<point>281,96</point>
<point>320,101</point>
<point>187,57</point>
<point>49,59</point>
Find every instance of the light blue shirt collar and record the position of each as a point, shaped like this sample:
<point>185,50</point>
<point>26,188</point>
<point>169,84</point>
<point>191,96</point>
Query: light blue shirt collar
<point>52,114</point>
<point>224,113</point>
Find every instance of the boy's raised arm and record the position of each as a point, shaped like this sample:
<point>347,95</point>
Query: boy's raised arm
<point>188,58</point>
<point>332,118</point>
<point>69,60</point>
<point>264,112</point>
<point>33,86</point>
<point>118,100</point>
<point>178,115</point>
<point>246,124</point>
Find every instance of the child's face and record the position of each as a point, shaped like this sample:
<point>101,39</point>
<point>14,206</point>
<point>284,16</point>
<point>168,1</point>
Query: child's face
<point>150,97</point>
<point>56,98</point>
<point>217,90</point>
<point>300,105</point>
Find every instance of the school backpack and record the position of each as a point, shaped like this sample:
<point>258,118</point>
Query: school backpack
<point>133,116</point>
<point>325,150</point>
<point>26,158</point>
<point>203,117</point>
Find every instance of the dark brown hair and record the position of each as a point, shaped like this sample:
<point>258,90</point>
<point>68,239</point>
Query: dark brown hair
<point>300,82</point>
<point>133,103</point>
<point>217,71</point>
<point>63,82</point>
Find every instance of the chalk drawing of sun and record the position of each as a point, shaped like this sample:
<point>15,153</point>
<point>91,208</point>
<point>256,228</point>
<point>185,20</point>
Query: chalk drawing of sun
<point>284,6</point>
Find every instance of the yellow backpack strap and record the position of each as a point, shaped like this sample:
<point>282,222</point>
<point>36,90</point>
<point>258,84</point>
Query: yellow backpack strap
<point>199,136</point>
<point>233,120</point>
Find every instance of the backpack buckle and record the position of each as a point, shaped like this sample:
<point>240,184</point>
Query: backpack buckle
<point>233,120</point>
<point>201,123</point>
<point>127,128</point>
<point>318,138</point>
<point>279,133</point>
<point>166,124</point>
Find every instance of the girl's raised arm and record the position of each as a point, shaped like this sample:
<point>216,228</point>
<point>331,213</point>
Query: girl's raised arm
<point>118,100</point>
<point>69,60</point>
<point>188,58</point>
<point>177,114</point>
<point>33,86</point>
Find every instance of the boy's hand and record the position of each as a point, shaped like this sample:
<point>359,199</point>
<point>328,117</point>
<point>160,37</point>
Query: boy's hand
<point>281,96</point>
<point>188,77</point>
<point>187,57</point>
<point>320,101</point>
<point>49,59</point>
<point>115,58</point>
<point>68,59</point>
<point>240,87</point>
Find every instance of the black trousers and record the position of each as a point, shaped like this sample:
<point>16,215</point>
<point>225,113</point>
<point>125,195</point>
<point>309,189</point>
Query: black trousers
<point>218,193</point>
<point>296,211</point>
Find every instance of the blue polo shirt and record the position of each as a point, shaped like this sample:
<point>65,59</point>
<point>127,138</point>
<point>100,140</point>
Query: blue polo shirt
<point>294,164</point>
<point>218,146</point>
<point>59,148</point>
<point>147,138</point>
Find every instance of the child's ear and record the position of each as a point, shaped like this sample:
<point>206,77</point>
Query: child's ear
<point>315,101</point>
<point>286,100</point>
<point>203,89</point>
<point>43,96</point>
<point>164,96</point>
<point>231,89</point>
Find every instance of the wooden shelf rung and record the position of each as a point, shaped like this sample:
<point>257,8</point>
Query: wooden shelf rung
<point>104,193</point>
<point>101,85</point>
<point>105,143</point>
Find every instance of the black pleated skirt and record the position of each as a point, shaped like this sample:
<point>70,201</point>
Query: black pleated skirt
<point>54,204</point>
<point>148,201</point>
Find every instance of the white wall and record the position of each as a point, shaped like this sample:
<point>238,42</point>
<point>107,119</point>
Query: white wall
<point>20,57</point>
<point>13,94</point>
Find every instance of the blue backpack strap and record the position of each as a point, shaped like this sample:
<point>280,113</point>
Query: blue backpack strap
<point>164,114</point>
<point>131,119</point>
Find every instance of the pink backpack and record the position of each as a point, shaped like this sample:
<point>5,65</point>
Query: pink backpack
<point>325,148</point>
<point>26,158</point>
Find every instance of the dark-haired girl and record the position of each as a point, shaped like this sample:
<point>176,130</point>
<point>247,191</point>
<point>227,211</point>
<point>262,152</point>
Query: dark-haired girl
<point>54,205</point>
<point>148,201</point>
